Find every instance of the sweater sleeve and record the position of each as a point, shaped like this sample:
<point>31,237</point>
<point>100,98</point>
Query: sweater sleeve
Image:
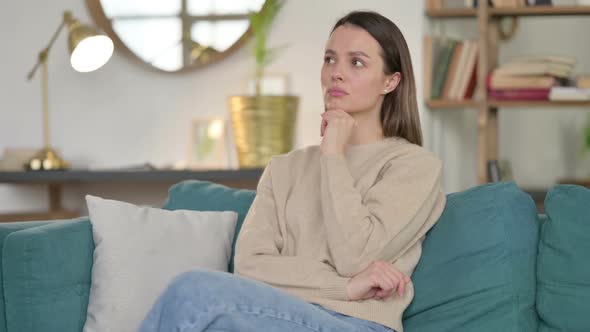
<point>394,213</point>
<point>258,253</point>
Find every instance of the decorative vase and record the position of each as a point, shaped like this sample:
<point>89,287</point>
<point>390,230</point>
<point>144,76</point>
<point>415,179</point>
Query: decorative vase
<point>263,126</point>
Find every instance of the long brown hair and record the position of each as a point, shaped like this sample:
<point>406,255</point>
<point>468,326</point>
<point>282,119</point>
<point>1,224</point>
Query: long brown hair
<point>399,112</point>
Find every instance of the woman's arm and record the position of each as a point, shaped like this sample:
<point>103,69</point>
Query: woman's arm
<point>258,253</point>
<point>395,213</point>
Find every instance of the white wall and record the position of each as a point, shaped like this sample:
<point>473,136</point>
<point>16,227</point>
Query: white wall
<point>124,114</point>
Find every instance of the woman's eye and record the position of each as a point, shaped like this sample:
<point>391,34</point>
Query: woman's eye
<point>357,63</point>
<point>329,60</point>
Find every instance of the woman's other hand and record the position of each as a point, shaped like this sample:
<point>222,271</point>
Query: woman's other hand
<point>379,280</point>
<point>336,129</point>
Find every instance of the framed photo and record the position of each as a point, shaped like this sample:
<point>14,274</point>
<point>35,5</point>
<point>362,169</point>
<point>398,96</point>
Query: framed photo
<point>208,144</point>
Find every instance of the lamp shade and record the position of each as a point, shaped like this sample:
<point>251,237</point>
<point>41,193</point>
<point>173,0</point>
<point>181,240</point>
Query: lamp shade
<point>89,50</point>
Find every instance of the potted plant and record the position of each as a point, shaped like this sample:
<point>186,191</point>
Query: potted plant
<point>263,125</point>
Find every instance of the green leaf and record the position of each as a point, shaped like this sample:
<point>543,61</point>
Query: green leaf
<point>260,23</point>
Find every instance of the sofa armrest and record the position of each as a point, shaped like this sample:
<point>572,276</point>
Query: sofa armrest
<point>47,272</point>
<point>5,230</point>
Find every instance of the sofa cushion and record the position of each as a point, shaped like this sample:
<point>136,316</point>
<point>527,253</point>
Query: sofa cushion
<point>139,250</point>
<point>208,196</point>
<point>477,270</point>
<point>563,273</point>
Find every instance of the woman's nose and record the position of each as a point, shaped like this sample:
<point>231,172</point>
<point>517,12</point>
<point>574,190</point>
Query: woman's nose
<point>336,75</point>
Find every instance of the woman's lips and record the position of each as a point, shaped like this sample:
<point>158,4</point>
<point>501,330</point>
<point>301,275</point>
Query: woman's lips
<point>335,92</point>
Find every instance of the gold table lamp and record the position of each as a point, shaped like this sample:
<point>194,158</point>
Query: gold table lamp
<point>89,50</point>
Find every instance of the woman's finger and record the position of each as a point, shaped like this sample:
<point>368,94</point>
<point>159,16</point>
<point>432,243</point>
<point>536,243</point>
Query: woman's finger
<point>394,274</point>
<point>383,294</point>
<point>383,281</point>
<point>400,288</point>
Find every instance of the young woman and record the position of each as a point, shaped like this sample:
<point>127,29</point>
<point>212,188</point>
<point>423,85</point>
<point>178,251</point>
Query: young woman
<point>335,230</point>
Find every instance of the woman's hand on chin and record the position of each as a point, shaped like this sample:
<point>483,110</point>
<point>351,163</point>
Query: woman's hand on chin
<point>336,130</point>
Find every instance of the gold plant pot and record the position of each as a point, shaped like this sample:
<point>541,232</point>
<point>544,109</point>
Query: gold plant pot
<point>263,126</point>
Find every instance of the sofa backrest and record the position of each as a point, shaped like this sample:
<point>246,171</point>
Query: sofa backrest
<point>477,270</point>
<point>563,273</point>
<point>207,196</point>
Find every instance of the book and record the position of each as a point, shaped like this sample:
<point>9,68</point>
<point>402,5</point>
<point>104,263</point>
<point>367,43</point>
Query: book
<point>556,59</point>
<point>432,51</point>
<point>462,71</point>
<point>441,67</point>
<point>568,93</point>
<point>468,72</point>
<point>472,83</point>
<point>451,76</point>
<point>503,82</point>
<point>450,68</point>
<point>519,94</point>
<point>535,68</point>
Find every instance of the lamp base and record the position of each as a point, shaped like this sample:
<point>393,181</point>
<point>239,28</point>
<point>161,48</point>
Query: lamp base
<point>47,159</point>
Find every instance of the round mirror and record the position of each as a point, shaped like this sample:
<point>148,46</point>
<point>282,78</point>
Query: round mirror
<point>175,35</point>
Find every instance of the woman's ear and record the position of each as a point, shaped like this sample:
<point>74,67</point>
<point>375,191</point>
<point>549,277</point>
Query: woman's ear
<point>391,82</point>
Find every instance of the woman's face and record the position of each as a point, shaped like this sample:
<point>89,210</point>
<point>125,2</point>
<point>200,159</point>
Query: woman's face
<point>353,77</point>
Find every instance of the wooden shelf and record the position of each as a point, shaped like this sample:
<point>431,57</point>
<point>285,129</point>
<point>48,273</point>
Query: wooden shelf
<point>452,13</point>
<point>450,104</point>
<point>541,11</point>
<point>541,104</point>
<point>524,11</point>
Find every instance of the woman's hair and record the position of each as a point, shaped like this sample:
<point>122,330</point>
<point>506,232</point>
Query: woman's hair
<point>399,112</point>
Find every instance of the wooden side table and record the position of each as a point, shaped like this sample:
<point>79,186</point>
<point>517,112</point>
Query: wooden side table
<point>56,180</point>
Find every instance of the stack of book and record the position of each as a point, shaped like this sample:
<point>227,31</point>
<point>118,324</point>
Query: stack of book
<point>449,68</point>
<point>529,77</point>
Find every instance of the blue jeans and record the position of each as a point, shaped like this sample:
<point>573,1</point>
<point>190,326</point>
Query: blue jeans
<point>218,301</point>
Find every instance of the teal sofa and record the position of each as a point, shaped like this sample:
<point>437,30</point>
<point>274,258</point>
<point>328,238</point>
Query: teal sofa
<point>491,263</point>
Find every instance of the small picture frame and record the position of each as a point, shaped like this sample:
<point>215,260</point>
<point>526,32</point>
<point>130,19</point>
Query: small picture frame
<point>208,143</point>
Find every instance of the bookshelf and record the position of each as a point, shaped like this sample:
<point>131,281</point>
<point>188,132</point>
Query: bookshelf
<point>488,50</point>
<point>500,12</point>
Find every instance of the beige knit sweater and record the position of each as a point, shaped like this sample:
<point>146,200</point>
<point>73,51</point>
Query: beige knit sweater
<point>318,220</point>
